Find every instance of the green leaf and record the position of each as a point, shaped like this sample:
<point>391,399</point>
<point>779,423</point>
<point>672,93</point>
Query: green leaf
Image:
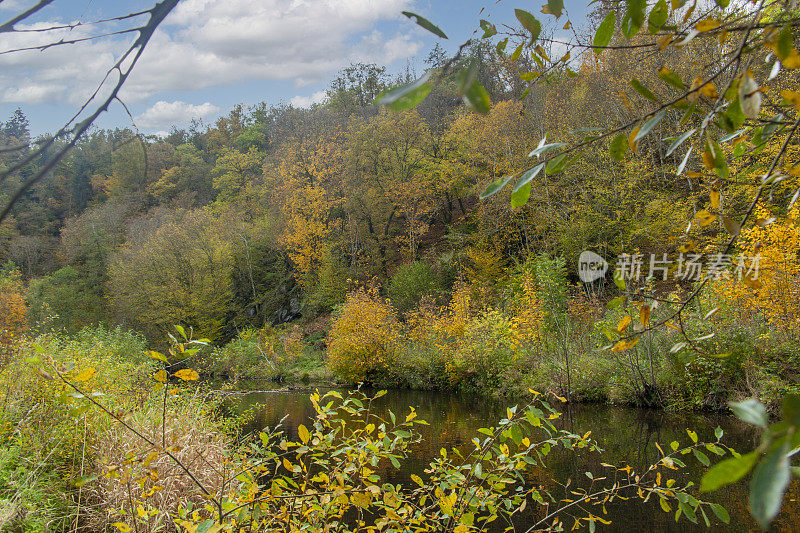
<point>529,22</point>
<point>405,96</point>
<point>477,98</point>
<point>721,513</point>
<point>680,140</point>
<point>521,196</point>
<point>618,147</point>
<point>650,124</point>
<point>644,91</point>
<point>671,78</point>
<point>634,17</point>
<point>658,16</point>
<point>83,480</point>
<point>527,176</point>
<point>785,42</point>
<point>751,411</point>
<point>425,23</point>
<point>619,281</point>
<point>489,29</point>
<point>636,11</point>
<point>604,33</point>
<point>498,184</point>
<point>728,471</point>
<point>556,164</point>
<point>395,462</point>
<point>553,7</point>
<point>542,148</point>
<point>770,478</point>
<point>182,331</point>
<point>204,526</point>
<point>517,52</point>
<point>700,456</point>
<point>791,409</point>
<point>615,302</point>
<point>733,116</point>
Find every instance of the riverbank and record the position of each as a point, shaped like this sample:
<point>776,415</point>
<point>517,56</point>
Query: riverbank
<point>649,376</point>
<point>95,428</point>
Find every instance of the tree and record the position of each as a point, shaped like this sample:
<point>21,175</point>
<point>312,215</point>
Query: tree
<point>356,86</point>
<point>175,268</point>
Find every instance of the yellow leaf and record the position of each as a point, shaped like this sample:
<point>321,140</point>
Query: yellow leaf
<point>644,315</point>
<point>287,465</point>
<point>708,160</point>
<point>714,199</point>
<point>160,376</point>
<point>302,431</point>
<point>157,355</point>
<point>187,374</point>
<point>122,526</point>
<point>706,25</point>
<point>85,375</point>
<point>623,323</point>
<point>792,61</point>
<point>705,217</point>
<point>361,499</point>
<point>709,90</point>
<point>631,142</point>
<point>793,97</point>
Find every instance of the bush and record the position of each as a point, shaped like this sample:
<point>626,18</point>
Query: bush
<point>410,284</point>
<point>364,339</point>
<point>266,353</point>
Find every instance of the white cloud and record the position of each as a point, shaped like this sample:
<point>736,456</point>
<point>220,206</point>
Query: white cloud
<point>208,43</point>
<point>164,114</point>
<point>307,101</point>
<point>219,42</point>
<point>32,93</point>
<point>9,5</point>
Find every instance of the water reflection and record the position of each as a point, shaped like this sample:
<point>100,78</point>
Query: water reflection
<point>626,434</point>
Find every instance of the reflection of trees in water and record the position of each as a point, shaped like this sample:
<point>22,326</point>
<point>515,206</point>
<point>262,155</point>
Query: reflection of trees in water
<point>626,434</point>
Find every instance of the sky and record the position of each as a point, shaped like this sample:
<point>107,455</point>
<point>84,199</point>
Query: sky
<point>209,55</point>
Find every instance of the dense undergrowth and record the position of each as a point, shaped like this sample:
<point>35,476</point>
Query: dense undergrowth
<point>97,436</point>
<point>531,328</point>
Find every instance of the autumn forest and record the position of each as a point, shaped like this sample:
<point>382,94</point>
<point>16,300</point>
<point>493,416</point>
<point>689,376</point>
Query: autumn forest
<point>424,230</point>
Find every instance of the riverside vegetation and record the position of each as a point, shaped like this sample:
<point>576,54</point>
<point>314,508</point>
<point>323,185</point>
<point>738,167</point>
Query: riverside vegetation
<point>401,245</point>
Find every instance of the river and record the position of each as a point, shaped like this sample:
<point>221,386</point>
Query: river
<point>625,434</point>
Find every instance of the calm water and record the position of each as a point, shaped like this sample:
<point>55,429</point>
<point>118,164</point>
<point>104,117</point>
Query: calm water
<point>624,433</point>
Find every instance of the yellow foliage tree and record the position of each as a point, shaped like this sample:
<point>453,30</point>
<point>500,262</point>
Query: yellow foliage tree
<point>364,337</point>
<point>13,311</point>
<point>774,288</point>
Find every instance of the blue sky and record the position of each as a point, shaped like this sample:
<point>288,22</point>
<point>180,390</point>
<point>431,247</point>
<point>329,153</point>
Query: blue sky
<point>212,54</point>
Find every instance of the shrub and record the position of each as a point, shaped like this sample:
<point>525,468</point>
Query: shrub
<point>365,337</point>
<point>410,284</point>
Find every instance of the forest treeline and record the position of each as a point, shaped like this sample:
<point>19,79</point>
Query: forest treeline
<point>220,227</point>
<point>279,214</point>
